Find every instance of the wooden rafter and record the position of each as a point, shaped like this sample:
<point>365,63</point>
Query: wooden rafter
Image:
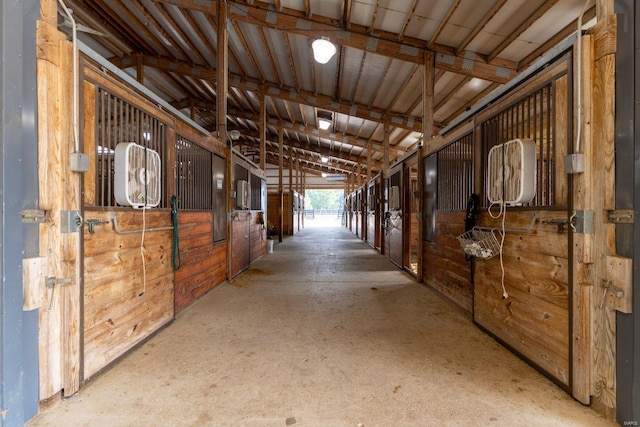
<point>371,25</point>
<point>247,50</point>
<point>272,61</point>
<point>407,20</point>
<point>345,15</point>
<point>278,91</point>
<point>214,27</point>
<point>548,4</point>
<point>480,26</point>
<point>374,93</point>
<point>179,37</point>
<point>451,93</point>
<point>444,22</point>
<point>557,38</point>
<point>410,49</point>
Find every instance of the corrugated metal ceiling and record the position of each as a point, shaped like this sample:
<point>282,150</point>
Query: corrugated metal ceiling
<point>375,77</point>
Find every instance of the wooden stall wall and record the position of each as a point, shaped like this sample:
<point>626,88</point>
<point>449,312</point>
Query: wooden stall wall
<point>273,212</point>
<point>257,236</point>
<point>123,303</point>
<point>203,254</point>
<point>534,320</point>
<point>203,262</point>
<point>446,268</point>
<point>126,298</point>
<point>248,230</point>
<point>241,231</point>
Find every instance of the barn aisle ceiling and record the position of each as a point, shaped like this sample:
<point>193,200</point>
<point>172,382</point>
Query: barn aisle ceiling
<point>373,82</point>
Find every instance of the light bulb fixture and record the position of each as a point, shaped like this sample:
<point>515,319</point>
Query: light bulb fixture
<point>325,119</point>
<point>234,134</point>
<point>323,123</point>
<point>323,50</point>
<point>324,159</point>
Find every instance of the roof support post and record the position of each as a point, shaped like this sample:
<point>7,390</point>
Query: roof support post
<point>280,184</point>
<point>263,131</point>
<point>428,82</point>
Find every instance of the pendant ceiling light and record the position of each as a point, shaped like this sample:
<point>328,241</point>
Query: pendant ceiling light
<point>325,119</point>
<point>323,50</point>
<point>323,123</point>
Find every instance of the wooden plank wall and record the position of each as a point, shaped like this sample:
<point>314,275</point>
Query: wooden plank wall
<point>534,319</point>
<point>240,229</point>
<point>203,262</point>
<point>273,213</point>
<point>445,267</point>
<point>257,236</point>
<point>116,315</point>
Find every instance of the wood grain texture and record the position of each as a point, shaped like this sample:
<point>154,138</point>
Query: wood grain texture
<point>603,380</point>
<point>445,267</point>
<point>203,263</point>
<point>59,189</point>
<point>116,316</point>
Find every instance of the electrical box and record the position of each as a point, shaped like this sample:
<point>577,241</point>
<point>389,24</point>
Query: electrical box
<point>574,163</point>
<point>70,221</point>
<point>79,162</point>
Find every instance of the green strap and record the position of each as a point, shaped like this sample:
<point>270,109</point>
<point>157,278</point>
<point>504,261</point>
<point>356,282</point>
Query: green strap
<point>175,253</point>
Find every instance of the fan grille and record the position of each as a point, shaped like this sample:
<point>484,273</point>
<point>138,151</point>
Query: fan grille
<point>137,176</point>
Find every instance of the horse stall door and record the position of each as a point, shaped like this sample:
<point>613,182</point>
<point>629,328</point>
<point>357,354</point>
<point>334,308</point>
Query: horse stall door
<point>241,225</point>
<point>372,206</point>
<point>393,218</point>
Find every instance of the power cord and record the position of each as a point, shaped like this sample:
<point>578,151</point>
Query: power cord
<point>502,213</point>
<point>142,250</point>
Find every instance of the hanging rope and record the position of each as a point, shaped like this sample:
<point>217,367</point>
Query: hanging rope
<point>175,253</point>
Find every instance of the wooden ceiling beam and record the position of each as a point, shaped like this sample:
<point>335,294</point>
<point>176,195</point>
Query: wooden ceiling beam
<point>358,37</point>
<point>444,22</point>
<point>320,167</point>
<point>483,23</point>
<point>537,14</point>
<point>314,151</point>
<point>272,89</point>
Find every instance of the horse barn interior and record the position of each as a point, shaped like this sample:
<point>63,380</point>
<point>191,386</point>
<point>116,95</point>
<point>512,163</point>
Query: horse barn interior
<point>488,149</point>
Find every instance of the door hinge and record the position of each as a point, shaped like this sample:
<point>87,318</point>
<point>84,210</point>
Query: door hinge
<point>620,216</point>
<point>31,216</point>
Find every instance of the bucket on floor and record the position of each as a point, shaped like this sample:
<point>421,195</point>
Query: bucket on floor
<point>270,246</point>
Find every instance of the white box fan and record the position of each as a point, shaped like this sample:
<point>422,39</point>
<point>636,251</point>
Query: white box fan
<point>242,194</point>
<point>137,176</point>
<point>511,174</point>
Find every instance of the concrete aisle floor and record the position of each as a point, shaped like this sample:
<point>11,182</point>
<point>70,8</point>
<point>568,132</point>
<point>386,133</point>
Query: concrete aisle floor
<point>322,332</point>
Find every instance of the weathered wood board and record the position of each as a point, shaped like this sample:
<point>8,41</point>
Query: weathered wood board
<point>202,263</point>
<point>125,300</point>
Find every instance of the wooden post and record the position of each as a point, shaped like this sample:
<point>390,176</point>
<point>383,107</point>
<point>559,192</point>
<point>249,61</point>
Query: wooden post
<point>385,150</point>
<point>59,191</point>
<point>280,184</point>
<point>139,69</point>
<point>222,84</point>
<point>263,131</point>
<point>369,159</point>
<point>427,133</point>
<point>582,245</point>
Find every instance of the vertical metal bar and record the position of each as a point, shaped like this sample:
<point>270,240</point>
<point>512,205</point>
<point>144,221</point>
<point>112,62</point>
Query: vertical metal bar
<point>550,143</point>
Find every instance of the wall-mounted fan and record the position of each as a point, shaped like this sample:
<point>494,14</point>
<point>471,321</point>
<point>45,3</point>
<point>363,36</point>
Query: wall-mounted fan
<point>394,198</point>
<point>242,194</point>
<point>137,178</point>
<point>511,172</point>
